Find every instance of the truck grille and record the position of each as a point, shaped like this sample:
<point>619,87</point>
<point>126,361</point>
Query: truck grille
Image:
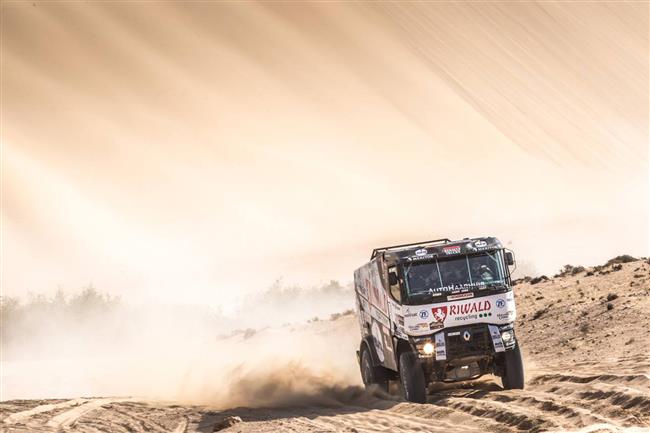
<point>478,344</point>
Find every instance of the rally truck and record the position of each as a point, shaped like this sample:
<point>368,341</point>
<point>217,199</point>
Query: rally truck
<point>437,311</point>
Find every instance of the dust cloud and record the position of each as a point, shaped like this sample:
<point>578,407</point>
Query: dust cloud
<point>293,384</point>
<point>90,344</point>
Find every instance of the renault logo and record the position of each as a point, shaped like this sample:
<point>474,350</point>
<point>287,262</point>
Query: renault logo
<point>466,335</point>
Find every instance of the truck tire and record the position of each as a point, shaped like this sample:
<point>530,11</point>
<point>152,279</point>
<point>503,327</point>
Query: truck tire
<point>372,376</point>
<point>412,377</point>
<point>513,375</point>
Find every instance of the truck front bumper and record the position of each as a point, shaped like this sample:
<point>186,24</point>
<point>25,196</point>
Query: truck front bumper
<point>467,341</point>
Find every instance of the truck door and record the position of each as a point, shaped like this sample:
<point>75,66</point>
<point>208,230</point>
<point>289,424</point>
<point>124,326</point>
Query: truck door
<point>381,307</point>
<point>395,294</point>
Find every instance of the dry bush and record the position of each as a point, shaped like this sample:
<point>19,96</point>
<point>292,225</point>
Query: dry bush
<point>570,270</point>
<point>37,315</point>
<point>625,258</point>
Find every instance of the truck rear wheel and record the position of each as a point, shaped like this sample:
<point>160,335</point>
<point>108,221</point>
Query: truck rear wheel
<point>371,375</point>
<point>513,375</point>
<point>412,378</point>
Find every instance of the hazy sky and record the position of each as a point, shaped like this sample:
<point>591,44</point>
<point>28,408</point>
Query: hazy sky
<point>195,151</point>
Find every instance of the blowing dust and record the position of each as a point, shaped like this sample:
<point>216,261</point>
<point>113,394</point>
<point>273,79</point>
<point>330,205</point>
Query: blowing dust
<point>91,345</point>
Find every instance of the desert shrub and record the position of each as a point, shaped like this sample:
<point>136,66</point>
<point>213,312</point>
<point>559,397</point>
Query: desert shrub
<point>85,313</point>
<point>540,279</point>
<point>294,303</point>
<point>336,316</point>
<point>625,258</point>
<point>525,279</point>
<point>570,270</point>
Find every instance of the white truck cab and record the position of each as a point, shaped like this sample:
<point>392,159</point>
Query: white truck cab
<point>439,310</point>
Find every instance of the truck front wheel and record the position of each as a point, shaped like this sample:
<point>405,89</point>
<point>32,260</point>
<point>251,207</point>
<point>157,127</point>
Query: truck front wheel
<point>513,375</point>
<point>371,375</point>
<point>412,378</point>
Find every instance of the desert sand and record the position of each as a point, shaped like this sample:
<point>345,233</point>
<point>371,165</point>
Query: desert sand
<point>585,340</point>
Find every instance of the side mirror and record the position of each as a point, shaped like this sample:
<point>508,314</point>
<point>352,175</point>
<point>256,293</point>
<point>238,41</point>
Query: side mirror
<point>392,279</point>
<point>510,259</point>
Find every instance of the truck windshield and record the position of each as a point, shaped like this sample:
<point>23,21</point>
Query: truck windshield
<point>446,275</point>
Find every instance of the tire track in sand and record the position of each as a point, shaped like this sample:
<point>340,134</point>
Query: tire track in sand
<point>20,417</point>
<point>68,418</point>
<point>61,418</point>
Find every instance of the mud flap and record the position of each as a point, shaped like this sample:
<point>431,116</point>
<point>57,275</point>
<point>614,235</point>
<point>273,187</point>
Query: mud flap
<point>496,338</point>
<point>441,348</point>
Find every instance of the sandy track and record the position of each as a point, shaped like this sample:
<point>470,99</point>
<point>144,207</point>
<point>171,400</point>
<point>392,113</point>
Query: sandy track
<point>54,416</point>
<point>588,370</point>
<point>553,401</point>
<point>18,417</point>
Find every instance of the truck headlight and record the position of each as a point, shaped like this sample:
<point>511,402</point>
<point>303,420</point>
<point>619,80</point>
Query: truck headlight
<point>428,348</point>
<point>506,336</point>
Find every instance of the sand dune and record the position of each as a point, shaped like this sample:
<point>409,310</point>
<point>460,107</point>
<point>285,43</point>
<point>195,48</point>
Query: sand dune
<point>585,342</point>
